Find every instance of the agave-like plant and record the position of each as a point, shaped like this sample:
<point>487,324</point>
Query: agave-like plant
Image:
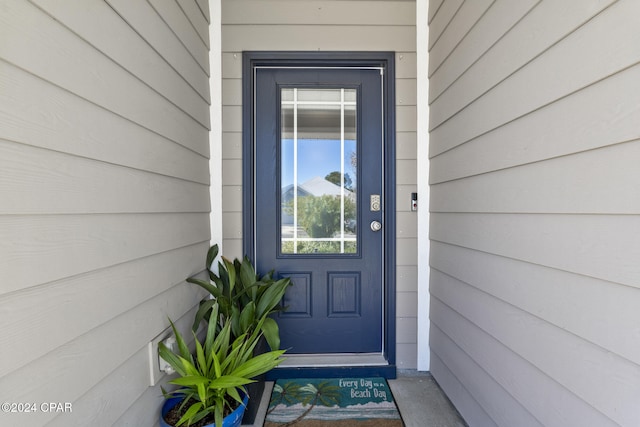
<point>243,297</point>
<point>210,380</point>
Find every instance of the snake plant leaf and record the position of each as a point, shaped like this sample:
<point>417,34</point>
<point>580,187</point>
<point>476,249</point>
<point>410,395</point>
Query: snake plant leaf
<point>260,364</point>
<point>171,358</point>
<point>272,296</point>
<point>247,316</point>
<point>229,381</point>
<point>189,368</point>
<point>190,380</point>
<point>233,392</point>
<point>236,329</point>
<point>212,253</point>
<point>215,279</point>
<point>231,271</point>
<point>220,344</point>
<point>247,272</point>
<point>213,290</point>
<point>202,392</point>
<point>200,415</point>
<point>255,335</point>
<point>236,266</point>
<point>204,311</point>
<point>212,327</point>
<point>268,276</point>
<point>191,412</point>
<point>218,414</point>
<point>216,366</point>
<point>182,345</point>
<point>240,351</point>
<point>203,366</point>
<point>224,279</point>
<point>271,333</point>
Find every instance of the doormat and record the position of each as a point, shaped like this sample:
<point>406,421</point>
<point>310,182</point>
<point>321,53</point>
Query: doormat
<point>335,402</point>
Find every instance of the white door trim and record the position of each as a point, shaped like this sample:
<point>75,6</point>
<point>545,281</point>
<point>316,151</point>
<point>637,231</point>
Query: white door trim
<point>422,45</point>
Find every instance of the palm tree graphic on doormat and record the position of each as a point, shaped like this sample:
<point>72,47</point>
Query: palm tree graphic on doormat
<point>324,394</point>
<point>288,393</point>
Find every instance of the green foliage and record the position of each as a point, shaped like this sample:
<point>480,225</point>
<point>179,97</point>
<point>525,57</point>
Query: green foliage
<point>245,299</point>
<point>221,367</point>
<point>334,177</point>
<point>320,215</point>
<point>314,247</point>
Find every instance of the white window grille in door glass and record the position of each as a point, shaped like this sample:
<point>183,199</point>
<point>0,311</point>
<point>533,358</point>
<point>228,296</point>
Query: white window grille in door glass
<point>318,171</point>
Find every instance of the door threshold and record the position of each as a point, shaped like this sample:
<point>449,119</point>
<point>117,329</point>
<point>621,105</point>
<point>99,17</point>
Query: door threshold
<point>338,365</point>
<point>332,360</point>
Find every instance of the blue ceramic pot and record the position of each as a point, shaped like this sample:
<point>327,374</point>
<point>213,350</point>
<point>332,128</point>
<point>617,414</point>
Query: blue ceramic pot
<point>234,419</point>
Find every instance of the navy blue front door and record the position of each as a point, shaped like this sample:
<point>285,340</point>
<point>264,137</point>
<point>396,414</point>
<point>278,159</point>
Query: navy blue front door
<point>319,203</point>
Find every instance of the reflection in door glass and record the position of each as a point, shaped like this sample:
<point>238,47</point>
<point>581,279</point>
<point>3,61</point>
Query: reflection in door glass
<point>318,171</point>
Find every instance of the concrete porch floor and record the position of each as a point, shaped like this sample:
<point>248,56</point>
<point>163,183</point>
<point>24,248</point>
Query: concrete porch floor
<point>421,402</point>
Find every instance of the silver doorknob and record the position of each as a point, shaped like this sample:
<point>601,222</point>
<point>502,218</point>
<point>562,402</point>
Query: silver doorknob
<point>376,226</point>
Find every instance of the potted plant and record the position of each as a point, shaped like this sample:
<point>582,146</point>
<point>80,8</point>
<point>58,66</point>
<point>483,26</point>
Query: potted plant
<point>211,382</point>
<point>247,301</point>
<point>243,297</point>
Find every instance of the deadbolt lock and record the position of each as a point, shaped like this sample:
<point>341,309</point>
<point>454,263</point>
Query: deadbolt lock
<point>374,203</point>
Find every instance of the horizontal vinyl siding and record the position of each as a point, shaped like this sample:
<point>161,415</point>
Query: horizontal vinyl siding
<point>535,211</point>
<point>104,199</point>
<point>328,26</point>
<point>406,221</point>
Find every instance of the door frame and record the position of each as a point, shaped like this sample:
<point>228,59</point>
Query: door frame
<point>386,61</point>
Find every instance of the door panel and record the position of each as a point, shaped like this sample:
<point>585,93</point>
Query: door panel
<point>318,175</point>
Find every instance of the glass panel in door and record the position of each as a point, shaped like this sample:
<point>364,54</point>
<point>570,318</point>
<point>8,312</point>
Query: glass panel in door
<point>318,171</point>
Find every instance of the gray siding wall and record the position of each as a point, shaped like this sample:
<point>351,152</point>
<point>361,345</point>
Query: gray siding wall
<point>104,199</point>
<point>535,200</point>
<point>329,26</point>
